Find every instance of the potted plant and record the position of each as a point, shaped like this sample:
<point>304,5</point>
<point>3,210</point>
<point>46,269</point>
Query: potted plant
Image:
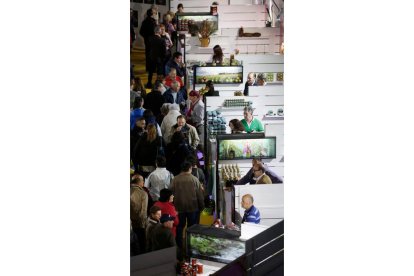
<point>207,28</point>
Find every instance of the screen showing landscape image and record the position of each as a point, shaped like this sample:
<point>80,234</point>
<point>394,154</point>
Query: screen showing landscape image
<point>219,74</point>
<point>192,23</point>
<point>247,148</point>
<point>215,249</point>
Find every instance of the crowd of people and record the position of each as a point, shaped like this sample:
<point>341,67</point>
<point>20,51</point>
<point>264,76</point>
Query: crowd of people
<point>167,125</point>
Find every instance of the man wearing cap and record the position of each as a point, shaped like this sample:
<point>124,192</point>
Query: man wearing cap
<point>161,236</point>
<point>195,115</point>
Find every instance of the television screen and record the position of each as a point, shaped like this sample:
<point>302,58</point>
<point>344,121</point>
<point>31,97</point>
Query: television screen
<point>237,149</point>
<point>218,74</point>
<point>215,249</point>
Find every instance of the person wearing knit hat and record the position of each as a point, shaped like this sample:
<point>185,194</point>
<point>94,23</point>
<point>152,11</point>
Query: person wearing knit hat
<point>161,236</point>
<point>195,115</point>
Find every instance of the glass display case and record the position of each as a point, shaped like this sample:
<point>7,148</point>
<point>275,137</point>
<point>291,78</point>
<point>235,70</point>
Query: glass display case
<point>239,148</point>
<point>218,74</point>
<point>214,244</point>
<point>191,22</point>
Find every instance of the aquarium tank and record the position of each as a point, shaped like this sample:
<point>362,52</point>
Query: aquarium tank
<point>217,249</point>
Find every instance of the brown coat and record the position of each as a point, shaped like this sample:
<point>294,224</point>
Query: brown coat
<point>138,212</point>
<point>188,195</point>
<point>264,179</point>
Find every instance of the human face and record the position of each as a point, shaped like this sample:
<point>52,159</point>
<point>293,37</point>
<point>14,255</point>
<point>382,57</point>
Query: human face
<point>140,123</point>
<point>260,82</point>
<point>256,171</point>
<point>179,59</point>
<point>250,79</point>
<point>171,198</point>
<point>168,224</point>
<point>193,99</point>
<point>173,74</point>
<point>247,116</point>
<point>245,203</point>
<point>157,215</point>
<point>181,122</point>
<point>175,88</point>
<point>162,30</point>
<point>231,126</point>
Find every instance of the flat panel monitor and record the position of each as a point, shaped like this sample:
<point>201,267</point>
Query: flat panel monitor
<point>246,148</point>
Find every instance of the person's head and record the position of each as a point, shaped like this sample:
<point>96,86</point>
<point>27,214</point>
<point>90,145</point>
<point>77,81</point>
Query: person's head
<point>173,73</point>
<point>149,13</point>
<point>155,212</point>
<point>178,57</point>
<point>162,29</point>
<point>174,106</point>
<point>214,3</point>
<point>165,108</point>
<point>192,159</point>
<point>157,30</point>
<point>194,96</point>
<point>180,8</point>
<point>161,162</point>
<point>186,167</point>
<point>137,180</point>
<point>256,160</point>
<point>175,86</point>
<point>167,220</point>
<point>250,78</point>
<point>261,79</point>
<point>158,86</point>
<point>236,126</point>
<point>210,85</point>
<point>138,102</point>
<point>140,122</point>
<point>181,120</point>
<point>177,138</point>
<point>218,52</point>
<point>151,132</point>
<point>167,18</point>
<point>166,195</point>
<point>247,201</point>
<point>248,113</point>
<point>258,169</point>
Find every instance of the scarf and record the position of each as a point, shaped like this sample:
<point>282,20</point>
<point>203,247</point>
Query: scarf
<point>192,108</point>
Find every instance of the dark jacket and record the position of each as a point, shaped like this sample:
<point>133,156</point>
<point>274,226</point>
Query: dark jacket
<point>147,27</point>
<point>188,196</point>
<point>175,156</point>
<point>172,64</point>
<point>170,99</point>
<point>154,101</point>
<point>161,237</point>
<point>145,152</point>
<point>158,49</point>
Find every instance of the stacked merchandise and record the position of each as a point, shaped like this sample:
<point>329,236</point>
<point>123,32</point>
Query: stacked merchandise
<point>216,122</point>
<point>236,103</point>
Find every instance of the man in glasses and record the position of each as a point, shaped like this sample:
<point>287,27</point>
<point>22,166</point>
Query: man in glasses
<point>252,177</point>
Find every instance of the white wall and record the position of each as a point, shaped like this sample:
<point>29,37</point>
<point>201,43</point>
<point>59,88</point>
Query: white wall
<point>268,198</point>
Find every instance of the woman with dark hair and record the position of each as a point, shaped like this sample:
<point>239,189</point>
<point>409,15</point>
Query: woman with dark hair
<point>151,119</point>
<point>167,207</point>
<point>218,55</point>
<point>210,89</point>
<point>146,151</point>
<point>236,126</point>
